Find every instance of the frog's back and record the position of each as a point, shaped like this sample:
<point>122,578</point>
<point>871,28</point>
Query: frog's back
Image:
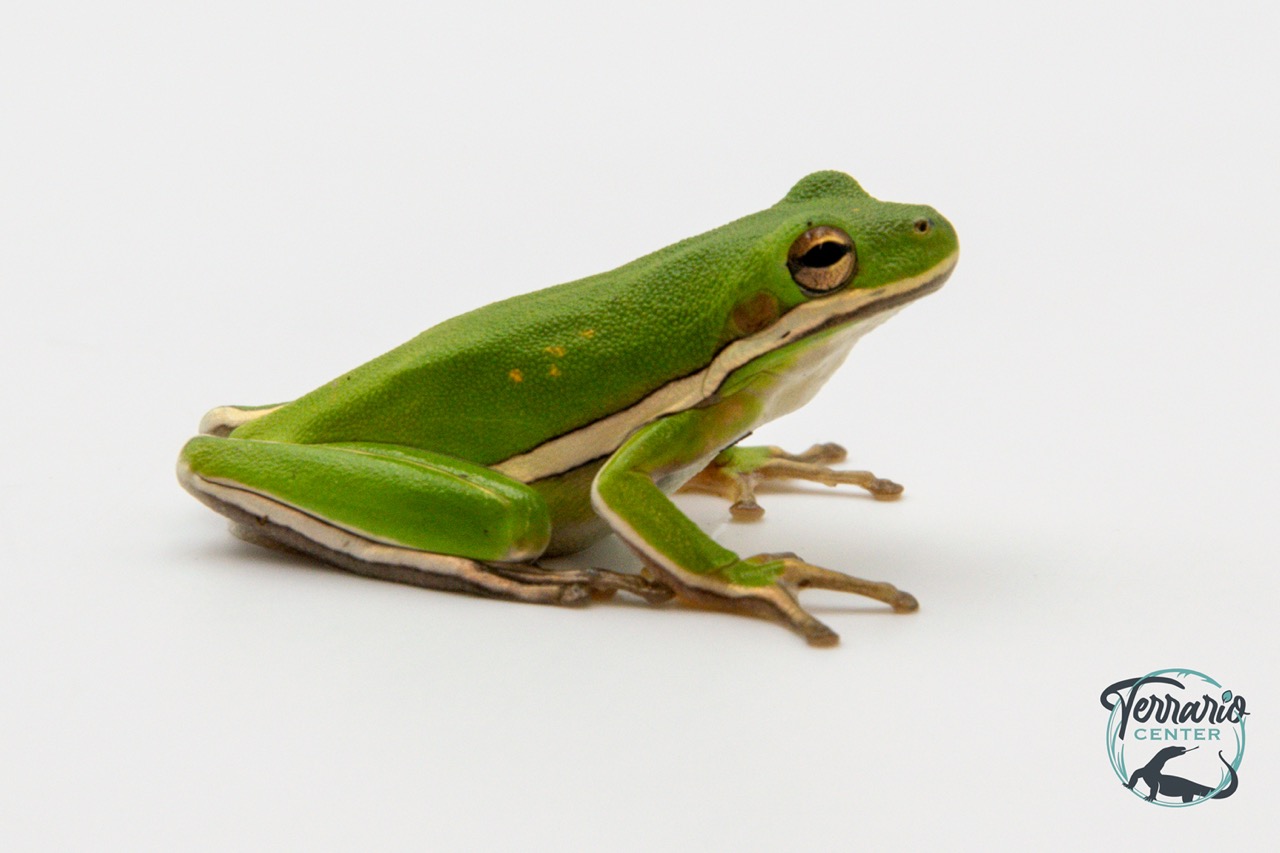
<point>503,379</point>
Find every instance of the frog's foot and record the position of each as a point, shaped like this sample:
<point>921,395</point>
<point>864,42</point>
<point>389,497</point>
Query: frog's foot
<point>600,583</point>
<point>777,600</point>
<point>736,472</point>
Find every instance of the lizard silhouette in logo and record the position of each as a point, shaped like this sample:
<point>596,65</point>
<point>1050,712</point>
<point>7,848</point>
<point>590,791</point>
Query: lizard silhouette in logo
<point>1175,787</point>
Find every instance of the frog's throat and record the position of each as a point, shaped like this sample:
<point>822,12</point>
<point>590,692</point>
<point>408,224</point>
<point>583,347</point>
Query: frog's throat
<point>602,437</point>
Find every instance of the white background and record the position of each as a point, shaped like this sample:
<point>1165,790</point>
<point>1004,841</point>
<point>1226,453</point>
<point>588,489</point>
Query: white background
<point>235,202</point>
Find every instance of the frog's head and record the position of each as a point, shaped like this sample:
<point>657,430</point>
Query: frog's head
<point>839,237</point>
<point>829,253</point>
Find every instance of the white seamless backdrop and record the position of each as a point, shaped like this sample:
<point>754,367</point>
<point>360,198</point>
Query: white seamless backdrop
<point>202,204</point>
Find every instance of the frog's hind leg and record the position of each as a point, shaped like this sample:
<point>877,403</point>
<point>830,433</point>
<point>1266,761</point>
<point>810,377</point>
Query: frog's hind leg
<point>272,526</point>
<point>391,513</point>
<point>221,420</point>
<point>736,472</point>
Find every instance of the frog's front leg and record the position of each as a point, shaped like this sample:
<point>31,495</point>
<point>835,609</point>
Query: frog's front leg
<point>628,494</point>
<point>393,513</point>
<point>736,471</point>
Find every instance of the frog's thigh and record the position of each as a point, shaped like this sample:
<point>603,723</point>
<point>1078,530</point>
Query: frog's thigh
<point>390,512</point>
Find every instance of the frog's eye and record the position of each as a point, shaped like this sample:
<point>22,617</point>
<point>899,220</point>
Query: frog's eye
<point>822,259</point>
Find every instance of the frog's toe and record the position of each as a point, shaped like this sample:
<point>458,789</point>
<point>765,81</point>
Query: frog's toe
<point>737,487</point>
<point>736,473</point>
<point>789,612</point>
<point>746,509</point>
<point>798,574</point>
<point>884,490</point>
<point>813,472</point>
<point>773,602</point>
<point>828,453</point>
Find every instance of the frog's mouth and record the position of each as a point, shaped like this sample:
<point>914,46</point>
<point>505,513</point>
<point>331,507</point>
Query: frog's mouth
<point>887,298</point>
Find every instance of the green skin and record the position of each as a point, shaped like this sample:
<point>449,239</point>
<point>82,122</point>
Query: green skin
<point>416,447</point>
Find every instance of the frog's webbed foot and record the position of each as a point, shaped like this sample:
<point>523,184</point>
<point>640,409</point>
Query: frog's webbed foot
<point>736,472</point>
<point>777,601</point>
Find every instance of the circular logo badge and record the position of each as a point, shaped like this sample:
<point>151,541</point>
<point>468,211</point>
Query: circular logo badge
<point>1175,737</point>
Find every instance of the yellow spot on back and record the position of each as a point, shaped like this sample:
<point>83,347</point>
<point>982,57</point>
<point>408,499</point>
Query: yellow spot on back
<point>553,371</point>
<point>556,351</point>
<point>588,333</point>
<point>516,375</point>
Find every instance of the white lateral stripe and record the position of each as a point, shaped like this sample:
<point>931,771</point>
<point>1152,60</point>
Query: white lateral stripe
<point>607,434</point>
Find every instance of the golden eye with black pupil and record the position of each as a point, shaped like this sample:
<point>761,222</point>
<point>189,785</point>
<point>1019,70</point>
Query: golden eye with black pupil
<point>822,259</point>
<point>923,226</point>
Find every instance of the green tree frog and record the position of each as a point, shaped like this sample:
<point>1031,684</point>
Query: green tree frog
<point>534,426</point>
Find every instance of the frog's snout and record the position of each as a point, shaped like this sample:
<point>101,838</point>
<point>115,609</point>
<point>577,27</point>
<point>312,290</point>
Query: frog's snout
<point>926,222</point>
<point>930,228</point>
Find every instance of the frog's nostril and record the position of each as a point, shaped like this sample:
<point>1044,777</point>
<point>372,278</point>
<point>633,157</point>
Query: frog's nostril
<point>923,225</point>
